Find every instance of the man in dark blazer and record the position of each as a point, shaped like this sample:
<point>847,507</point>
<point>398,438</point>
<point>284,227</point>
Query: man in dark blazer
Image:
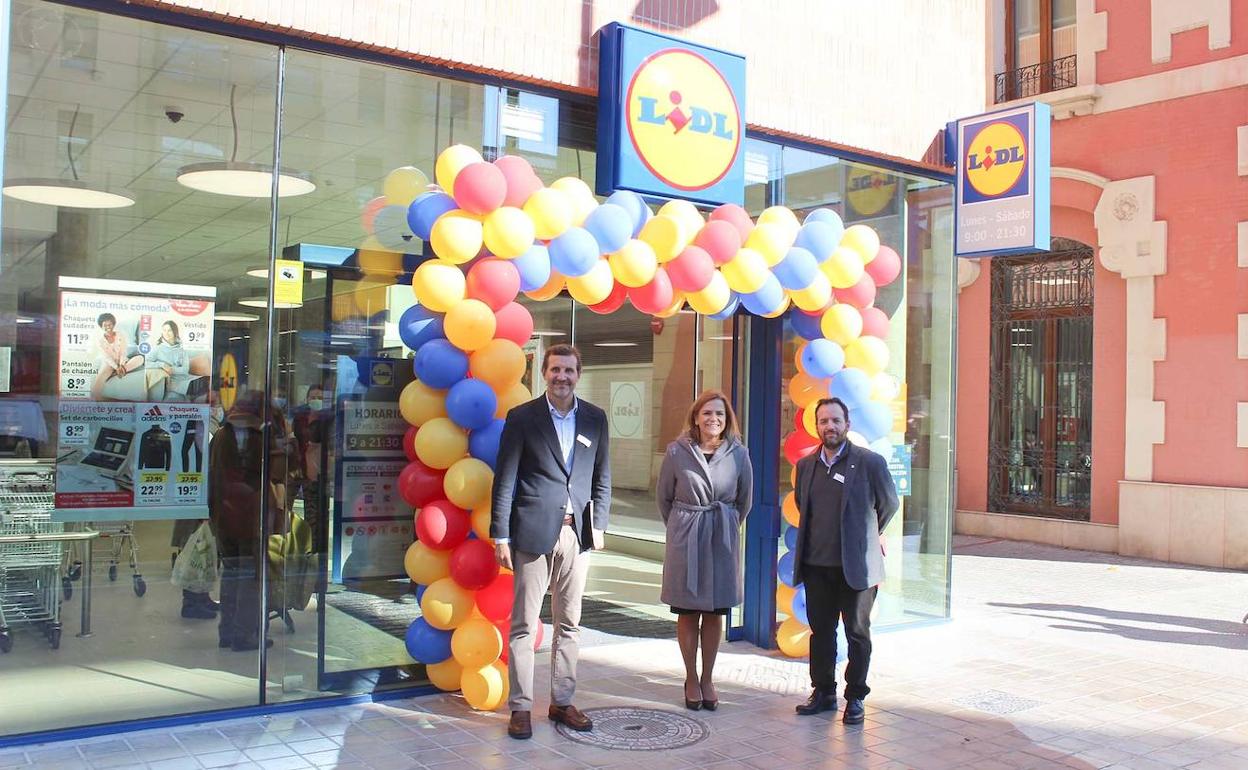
<point>552,496</point>
<point>845,496</point>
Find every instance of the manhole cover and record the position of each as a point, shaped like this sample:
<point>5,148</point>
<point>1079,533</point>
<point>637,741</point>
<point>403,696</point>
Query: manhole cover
<point>997,702</point>
<point>636,729</point>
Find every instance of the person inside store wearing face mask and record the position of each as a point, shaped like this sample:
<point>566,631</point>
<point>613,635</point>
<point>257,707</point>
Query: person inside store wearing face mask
<point>313,430</point>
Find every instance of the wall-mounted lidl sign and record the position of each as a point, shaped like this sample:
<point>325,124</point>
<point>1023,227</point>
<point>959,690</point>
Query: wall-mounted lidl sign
<point>671,117</point>
<point>1003,182</point>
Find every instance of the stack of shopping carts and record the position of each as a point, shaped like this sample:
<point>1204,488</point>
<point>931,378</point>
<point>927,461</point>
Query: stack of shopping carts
<point>29,570</point>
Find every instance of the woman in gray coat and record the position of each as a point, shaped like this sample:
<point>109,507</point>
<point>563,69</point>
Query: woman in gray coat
<point>704,495</point>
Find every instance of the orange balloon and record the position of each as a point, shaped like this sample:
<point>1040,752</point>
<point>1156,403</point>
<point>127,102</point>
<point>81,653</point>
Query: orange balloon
<point>804,390</point>
<point>550,290</point>
<point>789,509</point>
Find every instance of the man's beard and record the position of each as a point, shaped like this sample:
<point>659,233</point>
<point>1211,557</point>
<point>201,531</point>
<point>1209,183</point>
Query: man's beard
<point>832,443</point>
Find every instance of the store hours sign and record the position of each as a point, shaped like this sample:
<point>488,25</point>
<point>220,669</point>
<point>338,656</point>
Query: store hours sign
<point>1003,182</point>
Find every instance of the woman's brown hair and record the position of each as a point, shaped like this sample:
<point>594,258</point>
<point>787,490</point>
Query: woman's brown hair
<point>730,417</point>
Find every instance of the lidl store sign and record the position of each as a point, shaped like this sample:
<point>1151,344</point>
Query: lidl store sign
<point>1003,182</point>
<point>671,117</point>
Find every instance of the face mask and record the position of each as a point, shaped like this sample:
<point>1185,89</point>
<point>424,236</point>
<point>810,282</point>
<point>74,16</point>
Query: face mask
<point>280,403</point>
<point>316,404</point>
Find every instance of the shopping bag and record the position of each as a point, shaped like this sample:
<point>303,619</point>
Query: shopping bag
<point>195,569</point>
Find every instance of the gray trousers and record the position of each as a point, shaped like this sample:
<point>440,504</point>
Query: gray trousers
<point>563,571</point>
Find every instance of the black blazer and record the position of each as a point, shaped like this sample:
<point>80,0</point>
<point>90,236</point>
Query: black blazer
<point>868,503</point>
<point>531,483</point>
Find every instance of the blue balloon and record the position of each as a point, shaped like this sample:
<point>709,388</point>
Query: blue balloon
<point>790,538</point>
<point>439,364</point>
<point>427,644</point>
<point>872,419</point>
<point>470,404</point>
<point>425,210</point>
<point>574,253</point>
<point>784,569</point>
<point>823,358</point>
<point>767,299</point>
<point>418,325</point>
<point>534,267</point>
<point>851,385</point>
<point>797,269</point>
<point>799,605</point>
<point>831,218</point>
<point>611,226</point>
<point>819,236</point>
<point>420,592</point>
<point>805,325</point>
<point>483,442</point>
<point>638,212</point>
<point>734,301</point>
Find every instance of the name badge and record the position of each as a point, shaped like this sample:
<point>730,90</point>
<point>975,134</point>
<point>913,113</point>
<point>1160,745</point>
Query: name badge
<point>583,440</point>
<point>838,477</point>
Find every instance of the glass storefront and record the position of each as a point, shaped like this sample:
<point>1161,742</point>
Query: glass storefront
<point>188,330</point>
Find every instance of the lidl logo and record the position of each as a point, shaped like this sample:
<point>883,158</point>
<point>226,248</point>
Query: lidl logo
<point>869,193</point>
<point>995,165</point>
<point>683,119</point>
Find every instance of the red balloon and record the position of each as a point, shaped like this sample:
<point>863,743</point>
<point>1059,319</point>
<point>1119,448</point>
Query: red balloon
<point>494,281</point>
<point>692,270</point>
<point>885,267</point>
<point>420,484</point>
<point>495,600</point>
<point>370,212</point>
<point>875,322</point>
<point>860,295</point>
<point>441,525</point>
<point>480,188</point>
<point>798,444</point>
<point>720,239</point>
<point>504,628</point>
<point>409,444</point>
<point>738,217</point>
<point>513,322</point>
<point>614,300</point>
<point>654,297</point>
<point>521,180</point>
<point>473,565</point>
<point>797,420</point>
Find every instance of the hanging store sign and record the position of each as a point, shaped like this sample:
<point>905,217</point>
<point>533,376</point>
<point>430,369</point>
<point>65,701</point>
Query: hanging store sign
<point>1003,182</point>
<point>671,117</point>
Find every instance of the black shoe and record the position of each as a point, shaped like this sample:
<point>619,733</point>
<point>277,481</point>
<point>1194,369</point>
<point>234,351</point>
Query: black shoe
<point>854,712</point>
<point>243,645</point>
<point>197,612</point>
<point>223,643</point>
<point>819,700</point>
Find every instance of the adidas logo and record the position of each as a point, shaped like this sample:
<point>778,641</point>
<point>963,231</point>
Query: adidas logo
<point>154,411</point>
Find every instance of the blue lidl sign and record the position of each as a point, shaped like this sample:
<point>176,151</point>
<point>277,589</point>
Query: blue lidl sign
<point>671,117</point>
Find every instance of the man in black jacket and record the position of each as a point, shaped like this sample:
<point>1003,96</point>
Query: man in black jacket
<point>552,494</point>
<point>845,497</point>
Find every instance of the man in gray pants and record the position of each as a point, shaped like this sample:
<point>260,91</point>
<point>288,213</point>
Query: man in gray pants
<point>552,495</point>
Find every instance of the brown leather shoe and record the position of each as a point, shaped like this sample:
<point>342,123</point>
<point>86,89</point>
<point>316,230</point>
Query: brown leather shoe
<point>521,725</point>
<point>572,717</point>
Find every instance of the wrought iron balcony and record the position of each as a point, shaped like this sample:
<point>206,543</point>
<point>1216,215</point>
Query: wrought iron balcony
<point>1036,79</point>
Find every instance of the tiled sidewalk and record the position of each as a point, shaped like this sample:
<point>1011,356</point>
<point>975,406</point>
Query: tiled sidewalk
<point>1055,659</point>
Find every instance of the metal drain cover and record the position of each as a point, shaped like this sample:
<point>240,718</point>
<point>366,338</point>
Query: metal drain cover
<point>638,729</point>
<point>997,702</point>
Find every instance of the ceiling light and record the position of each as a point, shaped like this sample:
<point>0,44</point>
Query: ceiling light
<point>21,319</point>
<point>244,180</point>
<point>720,337</point>
<point>615,344</point>
<point>70,193</point>
<point>240,317</point>
<point>263,302</point>
<point>548,333</point>
<point>263,272</point>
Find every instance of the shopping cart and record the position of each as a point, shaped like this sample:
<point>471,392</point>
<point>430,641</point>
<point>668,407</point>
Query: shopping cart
<point>29,577</point>
<point>116,539</point>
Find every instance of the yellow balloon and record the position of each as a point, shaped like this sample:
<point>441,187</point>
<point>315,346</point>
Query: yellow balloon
<point>594,286</point>
<point>440,442</point>
<point>635,264</point>
<point>781,310</point>
<point>509,399</point>
<point>467,483</point>
<point>499,363</point>
<point>369,294</point>
<point>485,688</point>
<point>770,240</point>
<point>797,358</point>
<point>375,259</point>
<point>403,185</point>
<point>666,235</point>
<point>678,301</point>
<point>579,195</point>
<point>867,353</point>
<point>446,605</point>
<point>550,290</point>
<point>551,211</point>
<point>746,272</point>
<point>713,297</point>
<point>481,519</point>
<point>686,213</point>
<point>438,285</point>
<point>884,387</point>
<point>470,325</point>
<point>789,509</point>
<point>419,403</point>
<point>476,643</point>
<point>808,421</point>
<point>445,675</point>
<point>784,598</point>
<point>841,323</point>
<point>425,565</point>
<point>863,241</point>
<point>843,269</point>
<point>508,232</point>
<point>793,638</point>
<point>813,297</point>
<point>781,216</point>
<point>451,162</point>
<point>805,390</point>
<point>457,237</point>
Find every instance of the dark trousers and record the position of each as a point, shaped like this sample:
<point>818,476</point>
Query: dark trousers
<point>829,599</point>
<point>240,591</point>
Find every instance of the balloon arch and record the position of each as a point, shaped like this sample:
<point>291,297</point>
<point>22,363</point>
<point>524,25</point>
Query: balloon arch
<point>496,230</point>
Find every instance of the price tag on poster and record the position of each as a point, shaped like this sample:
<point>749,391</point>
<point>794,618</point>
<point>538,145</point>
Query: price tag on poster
<point>151,489</point>
<point>189,488</point>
